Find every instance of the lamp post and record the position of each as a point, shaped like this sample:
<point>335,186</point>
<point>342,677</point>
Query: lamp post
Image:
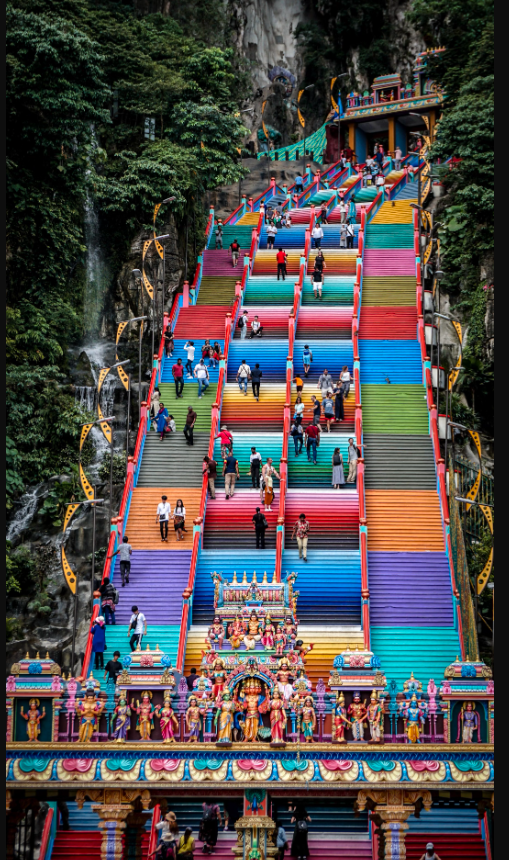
<point>476,594</point>
<point>93,502</point>
<point>302,119</point>
<point>336,107</point>
<point>106,370</point>
<point>154,302</point>
<point>245,110</point>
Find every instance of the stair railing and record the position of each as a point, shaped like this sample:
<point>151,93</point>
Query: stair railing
<point>199,522</point>
<point>361,490</point>
<point>433,430</point>
<point>353,188</point>
<point>133,466</point>
<point>48,834</point>
<point>152,842</point>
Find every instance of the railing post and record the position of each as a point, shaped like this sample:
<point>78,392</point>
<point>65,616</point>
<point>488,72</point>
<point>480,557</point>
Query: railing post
<point>250,204</point>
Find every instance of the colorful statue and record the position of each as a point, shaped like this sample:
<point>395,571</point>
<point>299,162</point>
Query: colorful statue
<point>339,720</point>
<point>468,723</point>
<point>194,716</point>
<point>290,631</point>
<point>308,719</point>
<point>203,684</point>
<point>375,719</point>
<point>123,721</point>
<point>357,713</point>
<point>89,710</point>
<point>283,680</point>
<point>413,720</point>
<point>223,719</point>
<point>254,703</point>
<point>218,676</point>
<point>269,633</point>
<point>167,720</point>
<point>145,712</point>
<point>277,718</point>
<point>216,633</point>
<point>253,627</point>
<point>301,685</point>
<point>280,641</point>
<point>33,719</point>
<point>236,633</point>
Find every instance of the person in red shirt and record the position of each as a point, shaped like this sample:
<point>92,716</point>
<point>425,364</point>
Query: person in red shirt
<point>312,432</point>
<point>178,375</point>
<point>235,251</point>
<point>281,263</point>
<point>226,441</point>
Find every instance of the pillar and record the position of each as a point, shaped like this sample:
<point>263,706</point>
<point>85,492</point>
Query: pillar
<point>392,134</point>
<point>400,136</point>
<point>135,828</point>
<point>112,824</point>
<point>358,142</point>
<point>391,809</point>
<point>432,124</point>
<point>256,831</point>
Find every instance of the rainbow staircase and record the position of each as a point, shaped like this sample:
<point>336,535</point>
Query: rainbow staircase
<point>412,611</point>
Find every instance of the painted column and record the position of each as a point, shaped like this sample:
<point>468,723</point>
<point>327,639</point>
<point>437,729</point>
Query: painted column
<point>390,811</point>
<point>112,824</point>
<point>256,831</point>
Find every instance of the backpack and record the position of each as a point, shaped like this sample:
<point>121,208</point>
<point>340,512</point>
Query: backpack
<point>302,826</point>
<point>209,813</point>
<point>240,323</point>
<point>116,596</point>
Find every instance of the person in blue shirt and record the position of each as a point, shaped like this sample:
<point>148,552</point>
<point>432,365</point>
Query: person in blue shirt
<point>99,642</point>
<point>299,184</point>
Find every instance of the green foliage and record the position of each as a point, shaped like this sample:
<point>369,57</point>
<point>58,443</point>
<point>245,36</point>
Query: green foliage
<point>61,494</point>
<point>13,482</point>
<point>20,570</point>
<point>119,468</point>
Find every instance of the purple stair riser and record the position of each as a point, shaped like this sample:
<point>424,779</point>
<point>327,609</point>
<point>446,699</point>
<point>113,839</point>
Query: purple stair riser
<point>410,588</point>
<point>156,582</point>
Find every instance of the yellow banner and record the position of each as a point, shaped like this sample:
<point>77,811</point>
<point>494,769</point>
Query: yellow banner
<point>105,427</point>
<point>301,118</point>
<point>477,441</point>
<point>103,373</point>
<point>156,210</point>
<point>120,329</point>
<point>68,514</point>
<point>489,516</point>
<point>457,326</point>
<point>427,252</point>
<point>474,489</point>
<point>70,576</point>
<point>333,100</point>
<point>159,248</point>
<point>85,430</point>
<point>484,575</point>
<point>146,246</point>
<point>148,286</point>
<point>124,379</point>
<point>87,488</point>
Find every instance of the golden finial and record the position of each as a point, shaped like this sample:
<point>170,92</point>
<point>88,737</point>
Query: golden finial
<point>157,648</point>
<point>254,580</point>
<point>148,647</point>
<point>138,647</point>
<point>37,656</point>
<point>264,580</point>
<point>47,655</point>
<point>234,580</point>
<point>27,656</point>
<point>274,578</point>
<point>244,579</point>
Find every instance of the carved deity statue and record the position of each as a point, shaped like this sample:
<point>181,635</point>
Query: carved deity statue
<point>308,719</point>
<point>194,716</point>
<point>33,718</point>
<point>89,710</point>
<point>122,717</point>
<point>268,635</point>
<point>145,712</point>
<point>277,718</point>
<point>216,633</point>
<point>357,713</point>
<point>339,720</point>
<point>223,719</point>
<point>280,641</point>
<point>254,703</point>
<point>375,719</point>
<point>236,631</point>
<point>468,723</point>
<point>167,720</point>
<point>413,720</point>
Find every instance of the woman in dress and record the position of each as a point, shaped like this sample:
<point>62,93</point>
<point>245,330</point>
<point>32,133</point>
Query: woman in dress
<point>338,477</point>
<point>179,519</point>
<point>277,717</point>
<point>161,420</point>
<point>301,819</point>
<point>339,409</point>
<point>269,491</point>
<point>167,721</point>
<point>154,403</point>
<point>123,721</point>
<point>224,719</point>
<point>209,826</point>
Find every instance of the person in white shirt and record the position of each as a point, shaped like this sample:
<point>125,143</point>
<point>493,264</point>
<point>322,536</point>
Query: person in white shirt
<point>288,220</point>
<point>345,378</point>
<point>138,626</point>
<point>255,461</point>
<point>271,235</point>
<point>245,322</point>
<point>202,375</point>
<point>243,374</point>
<point>380,182</point>
<point>190,349</point>
<point>343,209</point>
<point>162,517</point>
<point>397,158</point>
<point>256,328</point>
<point>350,235</point>
<point>342,235</point>
<point>317,235</point>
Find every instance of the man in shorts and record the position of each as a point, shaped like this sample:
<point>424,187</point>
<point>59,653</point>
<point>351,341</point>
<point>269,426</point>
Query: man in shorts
<point>235,251</point>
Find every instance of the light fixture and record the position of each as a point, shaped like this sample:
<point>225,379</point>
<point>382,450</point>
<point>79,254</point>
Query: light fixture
<point>169,199</point>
